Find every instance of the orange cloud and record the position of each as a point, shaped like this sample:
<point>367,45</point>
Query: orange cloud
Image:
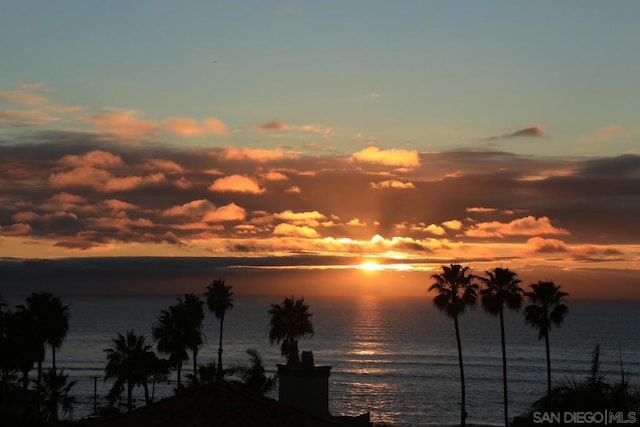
<point>291,230</point>
<point>275,176</point>
<point>166,166</point>
<point>392,183</point>
<point>355,222</point>
<point>293,189</point>
<point>195,208</point>
<point>397,157</point>
<point>183,126</point>
<point>18,229</point>
<point>69,198</point>
<point>101,180</point>
<point>64,201</point>
<point>23,97</point>
<point>186,126</point>
<point>130,182</point>
<point>230,212</point>
<point>541,245</point>
<point>236,184</point>
<point>434,229</point>
<point>607,133</point>
<point>122,123</point>
<point>182,183</point>
<point>528,226</point>
<point>118,205</point>
<point>215,126</point>
<point>299,217</point>
<point>480,209</point>
<point>95,158</point>
<point>25,118</point>
<point>254,154</point>
<point>453,224</point>
<point>83,176</point>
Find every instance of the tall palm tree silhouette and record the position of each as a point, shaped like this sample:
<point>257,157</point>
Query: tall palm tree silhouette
<point>171,338</point>
<point>51,319</point>
<point>547,309</point>
<point>289,321</point>
<point>501,288</point>
<point>128,363</point>
<point>455,291</point>
<point>219,299</point>
<point>24,347</point>
<point>192,316</point>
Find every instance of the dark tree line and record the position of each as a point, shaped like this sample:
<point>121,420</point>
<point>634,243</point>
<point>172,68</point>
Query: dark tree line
<point>26,333</point>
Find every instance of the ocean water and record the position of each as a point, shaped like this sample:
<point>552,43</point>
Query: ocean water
<point>395,357</point>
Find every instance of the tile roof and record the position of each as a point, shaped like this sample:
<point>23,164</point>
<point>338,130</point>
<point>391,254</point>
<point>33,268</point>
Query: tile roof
<point>224,404</point>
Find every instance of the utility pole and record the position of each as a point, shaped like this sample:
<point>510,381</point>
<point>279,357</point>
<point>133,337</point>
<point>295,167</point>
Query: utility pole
<point>95,395</point>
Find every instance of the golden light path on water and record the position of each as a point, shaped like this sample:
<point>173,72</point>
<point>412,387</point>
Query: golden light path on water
<point>369,346</point>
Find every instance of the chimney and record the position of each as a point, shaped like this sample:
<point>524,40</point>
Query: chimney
<point>305,386</point>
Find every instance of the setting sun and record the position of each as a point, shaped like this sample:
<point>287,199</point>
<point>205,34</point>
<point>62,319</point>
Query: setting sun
<point>370,266</point>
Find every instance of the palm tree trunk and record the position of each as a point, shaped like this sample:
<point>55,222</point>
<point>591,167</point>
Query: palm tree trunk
<point>546,343</point>
<point>129,396</point>
<point>39,379</point>
<point>219,373</point>
<point>504,371</point>
<point>195,365</point>
<point>38,384</point>
<point>463,411</point>
<point>179,371</point>
<point>53,359</point>
<point>145,385</point>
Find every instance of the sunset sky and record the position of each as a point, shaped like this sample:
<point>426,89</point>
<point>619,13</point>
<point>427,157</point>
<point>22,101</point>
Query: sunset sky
<point>315,137</point>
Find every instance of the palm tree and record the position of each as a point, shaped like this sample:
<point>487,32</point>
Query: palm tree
<point>219,300</point>
<point>171,338</point>
<point>192,316</point>
<point>56,390</point>
<point>289,321</point>
<point>25,348</point>
<point>502,287</point>
<point>254,375</point>
<point>129,362</point>
<point>455,291</point>
<point>52,324</point>
<point>155,370</point>
<point>547,309</point>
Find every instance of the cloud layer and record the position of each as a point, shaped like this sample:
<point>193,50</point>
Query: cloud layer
<point>73,193</point>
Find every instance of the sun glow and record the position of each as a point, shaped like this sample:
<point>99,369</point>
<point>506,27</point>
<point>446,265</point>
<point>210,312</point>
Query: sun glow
<point>370,266</point>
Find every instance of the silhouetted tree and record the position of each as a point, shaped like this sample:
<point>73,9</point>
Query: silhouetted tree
<point>455,291</point>
<point>129,362</point>
<point>25,347</point>
<point>191,318</point>
<point>219,300</point>
<point>254,375</point>
<point>593,393</point>
<point>547,308</point>
<point>51,319</point>
<point>289,321</point>
<point>207,372</point>
<point>501,288</point>
<point>56,389</point>
<point>6,349</point>
<point>171,338</point>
